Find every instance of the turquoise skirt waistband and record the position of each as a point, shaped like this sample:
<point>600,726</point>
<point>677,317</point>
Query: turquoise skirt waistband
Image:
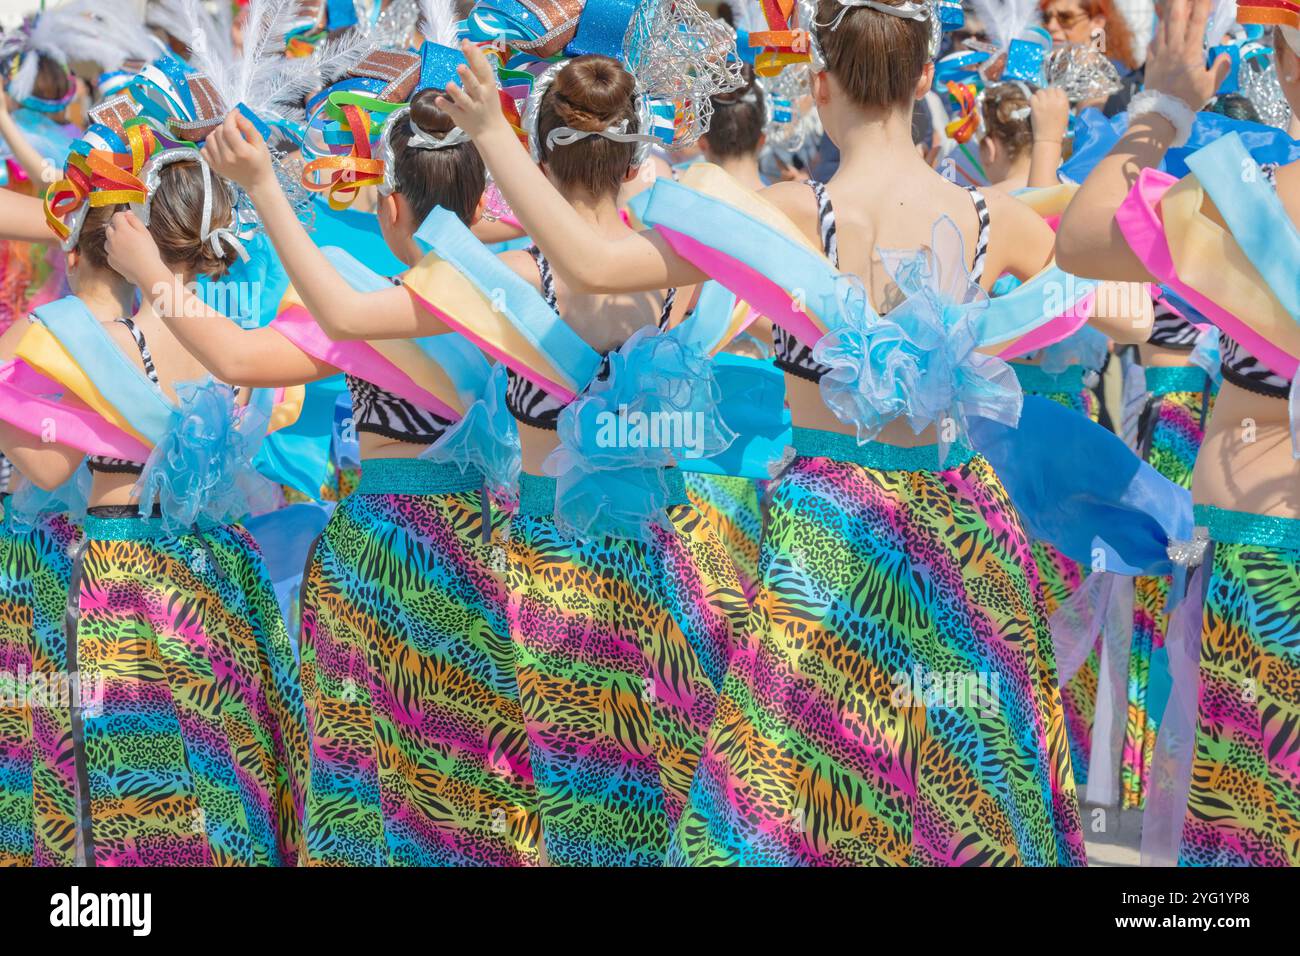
<point>1242,527</point>
<point>1186,378</point>
<point>416,476</point>
<point>137,528</point>
<point>1035,381</point>
<point>815,443</point>
<point>537,493</point>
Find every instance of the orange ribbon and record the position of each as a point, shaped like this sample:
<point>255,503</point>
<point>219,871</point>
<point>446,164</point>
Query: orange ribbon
<point>101,177</point>
<point>346,175</point>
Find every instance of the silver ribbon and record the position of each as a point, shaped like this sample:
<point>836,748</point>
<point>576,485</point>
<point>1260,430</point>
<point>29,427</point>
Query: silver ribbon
<point>904,11</point>
<point>151,175</point>
<point>567,135</point>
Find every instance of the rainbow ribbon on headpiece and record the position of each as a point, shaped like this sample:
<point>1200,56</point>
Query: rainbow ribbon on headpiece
<point>964,125</point>
<point>102,177</point>
<point>1269,12</point>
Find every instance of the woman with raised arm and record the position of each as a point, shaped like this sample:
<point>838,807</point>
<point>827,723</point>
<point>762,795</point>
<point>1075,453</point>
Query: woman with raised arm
<point>884,565</point>
<point>419,754</point>
<point>623,606</point>
<point>180,735</point>
<point>1225,239</point>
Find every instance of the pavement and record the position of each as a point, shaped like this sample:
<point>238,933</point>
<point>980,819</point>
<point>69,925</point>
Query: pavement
<point>1113,837</point>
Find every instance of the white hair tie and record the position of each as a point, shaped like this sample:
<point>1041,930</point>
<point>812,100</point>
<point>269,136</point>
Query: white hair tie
<point>904,11</point>
<point>422,140</point>
<point>567,135</point>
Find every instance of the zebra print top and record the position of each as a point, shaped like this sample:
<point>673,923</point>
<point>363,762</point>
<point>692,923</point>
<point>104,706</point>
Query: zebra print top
<point>121,466</point>
<point>1240,367</point>
<point>1171,330</point>
<point>6,474</point>
<point>795,357</point>
<point>380,412</point>
<point>532,405</point>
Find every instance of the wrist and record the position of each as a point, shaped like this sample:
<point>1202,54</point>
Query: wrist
<point>1162,112</point>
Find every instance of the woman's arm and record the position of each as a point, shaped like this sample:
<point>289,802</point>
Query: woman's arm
<point>28,156</point>
<point>586,262</point>
<point>1089,242</point>
<point>1049,115</point>
<point>253,358</point>
<point>45,464</point>
<point>236,151</point>
<point>22,218</point>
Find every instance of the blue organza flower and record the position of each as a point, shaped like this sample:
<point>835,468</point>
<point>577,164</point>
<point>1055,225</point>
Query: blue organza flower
<point>919,362</point>
<point>655,402</point>
<point>1086,347</point>
<point>30,501</point>
<point>486,438</point>
<point>202,469</point>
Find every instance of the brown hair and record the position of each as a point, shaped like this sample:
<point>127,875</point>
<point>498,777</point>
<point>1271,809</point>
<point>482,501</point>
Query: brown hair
<point>453,178</point>
<point>52,80</point>
<point>738,119</point>
<point>1000,102</point>
<point>590,93</point>
<point>175,218</point>
<point>876,57</point>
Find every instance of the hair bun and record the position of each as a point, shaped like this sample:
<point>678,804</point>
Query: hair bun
<point>428,117</point>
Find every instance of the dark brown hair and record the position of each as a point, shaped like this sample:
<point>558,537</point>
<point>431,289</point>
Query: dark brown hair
<point>453,178</point>
<point>738,119</point>
<point>175,218</point>
<point>52,80</point>
<point>591,93</point>
<point>1000,102</point>
<point>876,57</point>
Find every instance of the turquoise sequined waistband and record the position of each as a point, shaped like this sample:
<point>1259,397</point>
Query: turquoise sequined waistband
<point>1035,381</point>
<point>815,443</point>
<point>137,528</point>
<point>1242,527</point>
<point>1186,378</point>
<point>416,476</point>
<point>537,493</point>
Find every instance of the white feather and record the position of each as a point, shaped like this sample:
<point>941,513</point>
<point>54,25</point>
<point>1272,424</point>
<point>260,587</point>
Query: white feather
<point>1221,21</point>
<point>1004,20</point>
<point>748,15</point>
<point>438,21</point>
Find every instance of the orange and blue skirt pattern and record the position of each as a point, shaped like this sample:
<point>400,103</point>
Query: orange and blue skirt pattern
<point>898,702</point>
<point>621,647</point>
<point>188,734</point>
<point>1244,803</point>
<point>733,506</point>
<point>36,774</point>
<point>419,755</point>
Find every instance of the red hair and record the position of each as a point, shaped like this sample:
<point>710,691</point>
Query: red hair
<point>1119,41</point>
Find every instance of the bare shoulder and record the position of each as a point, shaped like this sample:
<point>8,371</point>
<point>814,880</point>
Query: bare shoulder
<point>797,201</point>
<point>522,264</point>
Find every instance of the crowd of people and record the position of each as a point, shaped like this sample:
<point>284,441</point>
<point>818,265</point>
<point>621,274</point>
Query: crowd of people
<point>827,433</point>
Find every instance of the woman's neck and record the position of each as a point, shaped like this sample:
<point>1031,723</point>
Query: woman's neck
<point>877,141</point>
<point>107,296</point>
<point>1017,171</point>
<point>743,169</point>
<point>602,213</point>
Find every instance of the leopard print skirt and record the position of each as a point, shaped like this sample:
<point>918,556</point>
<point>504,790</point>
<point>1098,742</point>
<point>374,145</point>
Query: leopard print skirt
<point>36,791</point>
<point>621,647</point>
<point>899,705</point>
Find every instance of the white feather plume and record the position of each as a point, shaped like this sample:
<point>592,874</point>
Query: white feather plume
<point>438,21</point>
<point>104,33</point>
<point>1004,20</point>
<point>748,16</point>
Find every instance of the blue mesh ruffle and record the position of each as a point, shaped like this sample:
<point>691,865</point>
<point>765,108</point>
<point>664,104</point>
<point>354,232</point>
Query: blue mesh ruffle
<point>919,361</point>
<point>486,438</point>
<point>202,469</point>
<point>656,403</point>
<point>30,501</point>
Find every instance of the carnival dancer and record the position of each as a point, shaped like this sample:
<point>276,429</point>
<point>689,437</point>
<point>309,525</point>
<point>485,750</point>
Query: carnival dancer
<point>418,752</point>
<point>1224,239</point>
<point>623,605</point>
<point>839,631</point>
<point>182,740</point>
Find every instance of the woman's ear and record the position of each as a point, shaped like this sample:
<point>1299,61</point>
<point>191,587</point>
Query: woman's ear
<point>478,209</point>
<point>821,87</point>
<point>389,210</point>
<point>926,81</point>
